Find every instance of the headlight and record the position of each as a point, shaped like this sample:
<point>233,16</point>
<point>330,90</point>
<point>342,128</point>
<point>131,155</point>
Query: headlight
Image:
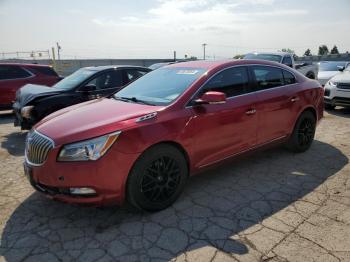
<point>91,149</point>
<point>26,111</point>
<point>331,83</point>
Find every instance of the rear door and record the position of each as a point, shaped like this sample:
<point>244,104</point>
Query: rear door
<point>275,101</point>
<point>223,130</point>
<point>132,74</point>
<point>12,77</point>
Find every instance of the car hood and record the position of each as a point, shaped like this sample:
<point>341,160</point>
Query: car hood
<point>30,92</point>
<point>326,74</point>
<point>343,77</point>
<point>91,119</point>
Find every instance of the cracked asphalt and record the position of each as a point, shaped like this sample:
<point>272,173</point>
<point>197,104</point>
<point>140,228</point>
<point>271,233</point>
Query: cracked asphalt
<point>269,206</point>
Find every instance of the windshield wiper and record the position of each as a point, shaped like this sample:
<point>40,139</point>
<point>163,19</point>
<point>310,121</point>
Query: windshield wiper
<point>133,99</point>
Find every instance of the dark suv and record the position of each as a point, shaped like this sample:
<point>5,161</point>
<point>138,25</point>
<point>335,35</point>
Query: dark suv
<point>34,102</point>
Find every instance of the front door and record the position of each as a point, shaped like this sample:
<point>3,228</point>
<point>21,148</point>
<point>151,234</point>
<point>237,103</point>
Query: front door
<point>223,130</point>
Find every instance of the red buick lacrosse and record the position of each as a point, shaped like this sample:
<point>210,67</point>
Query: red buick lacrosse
<point>142,143</point>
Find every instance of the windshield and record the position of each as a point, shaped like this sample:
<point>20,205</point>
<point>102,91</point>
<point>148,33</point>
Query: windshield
<point>74,79</point>
<point>331,66</point>
<point>268,57</point>
<point>160,87</point>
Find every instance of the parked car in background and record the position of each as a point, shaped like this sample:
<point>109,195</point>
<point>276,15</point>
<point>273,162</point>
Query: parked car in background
<point>328,69</point>
<point>337,90</point>
<point>159,65</point>
<point>14,76</point>
<point>34,102</point>
<point>308,70</point>
<point>143,142</point>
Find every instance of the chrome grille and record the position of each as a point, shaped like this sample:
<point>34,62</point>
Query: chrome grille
<point>37,148</point>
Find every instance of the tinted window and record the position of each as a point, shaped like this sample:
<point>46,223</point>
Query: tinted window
<point>108,80</point>
<point>45,71</point>
<point>267,77</point>
<point>288,78</point>
<point>268,57</point>
<point>133,74</point>
<point>232,82</point>
<point>161,86</point>
<point>287,60</point>
<point>12,72</point>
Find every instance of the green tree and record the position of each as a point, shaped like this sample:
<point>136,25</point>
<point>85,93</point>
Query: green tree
<point>308,52</point>
<point>334,50</point>
<point>323,50</point>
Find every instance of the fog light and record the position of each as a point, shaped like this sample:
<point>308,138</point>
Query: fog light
<point>82,191</point>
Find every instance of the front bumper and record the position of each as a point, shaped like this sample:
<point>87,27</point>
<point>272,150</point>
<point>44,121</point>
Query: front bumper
<point>19,120</point>
<point>107,176</point>
<point>335,96</point>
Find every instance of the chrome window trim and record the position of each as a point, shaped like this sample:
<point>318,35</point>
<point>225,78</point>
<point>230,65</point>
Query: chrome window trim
<point>14,79</point>
<point>25,148</point>
<point>253,92</point>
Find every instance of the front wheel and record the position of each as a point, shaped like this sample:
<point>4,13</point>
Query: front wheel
<point>303,133</point>
<point>157,178</point>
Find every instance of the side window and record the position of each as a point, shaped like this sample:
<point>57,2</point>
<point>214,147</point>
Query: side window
<point>133,74</point>
<point>45,70</point>
<point>108,80</point>
<point>232,82</point>
<point>12,72</point>
<point>287,60</point>
<point>268,77</point>
<point>288,78</point>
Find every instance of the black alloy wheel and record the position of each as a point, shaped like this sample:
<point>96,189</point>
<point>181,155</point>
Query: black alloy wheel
<point>161,179</point>
<point>303,134</point>
<point>157,178</point>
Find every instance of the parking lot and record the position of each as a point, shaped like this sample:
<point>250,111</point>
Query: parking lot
<point>269,206</point>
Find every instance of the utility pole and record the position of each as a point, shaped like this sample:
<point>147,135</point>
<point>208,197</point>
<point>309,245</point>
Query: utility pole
<point>204,45</point>
<point>174,56</point>
<point>58,51</point>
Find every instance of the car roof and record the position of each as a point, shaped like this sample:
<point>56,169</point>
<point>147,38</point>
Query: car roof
<point>270,53</point>
<point>106,67</point>
<point>25,64</point>
<point>212,64</point>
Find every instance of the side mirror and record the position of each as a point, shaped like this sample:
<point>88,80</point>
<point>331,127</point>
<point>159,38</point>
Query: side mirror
<point>211,97</point>
<point>341,68</point>
<point>88,88</point>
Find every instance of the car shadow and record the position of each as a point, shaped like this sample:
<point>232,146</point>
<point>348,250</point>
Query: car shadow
<point>340,111</point>
<point>215,206</point>
<point>14,143</point>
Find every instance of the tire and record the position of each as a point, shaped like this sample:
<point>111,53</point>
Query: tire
<point>303,133</point>
<point>310,75</point>
<point>157,178</point>
<point>329,107</point>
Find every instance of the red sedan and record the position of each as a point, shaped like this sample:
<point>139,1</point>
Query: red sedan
<point>142,144</point>
<point>14,76</point>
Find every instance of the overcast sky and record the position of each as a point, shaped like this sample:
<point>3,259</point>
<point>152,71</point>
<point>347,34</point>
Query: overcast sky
<point>154,28</point>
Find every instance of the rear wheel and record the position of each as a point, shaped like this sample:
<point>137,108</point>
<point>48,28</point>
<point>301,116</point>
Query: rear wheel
<point>157,178</point>
<point>303,133</point>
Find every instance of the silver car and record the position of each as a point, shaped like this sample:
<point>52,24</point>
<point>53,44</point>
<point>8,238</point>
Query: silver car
<point>328,69</point>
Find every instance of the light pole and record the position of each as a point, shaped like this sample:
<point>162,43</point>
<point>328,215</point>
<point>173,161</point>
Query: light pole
<point>58,51</point>
<point>204,45</point>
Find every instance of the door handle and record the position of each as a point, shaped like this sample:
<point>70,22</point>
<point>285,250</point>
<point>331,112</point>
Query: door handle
<point>250,112</point>
<point>294,99</point>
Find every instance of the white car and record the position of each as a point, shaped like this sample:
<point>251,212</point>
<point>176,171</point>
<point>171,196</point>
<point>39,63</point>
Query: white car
<point>328,69</point>
<point>337,90</point>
